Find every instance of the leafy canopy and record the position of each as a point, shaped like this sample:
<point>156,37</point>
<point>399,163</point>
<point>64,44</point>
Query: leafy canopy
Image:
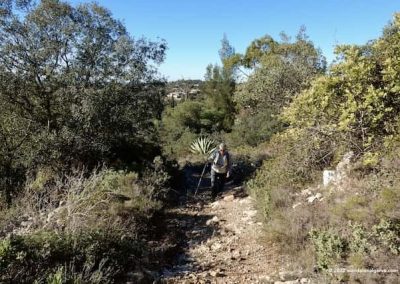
<point>75,87</point>
<point>359,98</point>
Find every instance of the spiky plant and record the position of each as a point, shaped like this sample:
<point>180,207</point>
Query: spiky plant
<point>202,146</point>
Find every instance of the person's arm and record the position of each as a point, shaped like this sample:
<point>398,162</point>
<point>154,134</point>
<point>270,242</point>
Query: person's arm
<point>229,166</point>
<point>211,157</point>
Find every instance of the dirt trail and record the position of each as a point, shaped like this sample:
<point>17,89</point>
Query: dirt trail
<point>220,243</point>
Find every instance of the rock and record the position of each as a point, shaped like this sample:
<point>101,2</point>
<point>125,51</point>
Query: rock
<point>306,192</point>
<point>26,224</point>
<point>212,221</point>
<point>229,198</point>
<point>236,255</point>
<point>286,276</point>
<point>328,177</point>
<point>304,280</point>
<point>216,273</point>
<point>266,279</point>
<point>196,232</point>
<point>296,205</point>
<point>339,176</point>
<point>49,217</point>
<point>60,222</point>
<point>250,213</point>
<point>245,200</point>
<point>311,199</point>
<point>216,246</point>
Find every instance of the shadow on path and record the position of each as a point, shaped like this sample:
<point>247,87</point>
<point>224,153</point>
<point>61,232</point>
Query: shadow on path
<point>189,223</point>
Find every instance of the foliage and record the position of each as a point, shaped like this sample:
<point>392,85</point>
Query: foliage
<point>80,227</point>
<point>202,146</point>
<point>360,240</point>
<point>388,233</point>
<point>209,114</point>
<point>182,124</point>
<point>219,87</point>
<point>44,256</point>
<point>279,71</point>
<point>353,107</point>
<point>254,129</point>
<point>75,88</point>
<point>358,99</point>
<point>329,247</point>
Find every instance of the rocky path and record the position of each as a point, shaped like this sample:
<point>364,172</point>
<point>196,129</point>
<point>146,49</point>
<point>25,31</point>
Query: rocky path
<point>220,243</point>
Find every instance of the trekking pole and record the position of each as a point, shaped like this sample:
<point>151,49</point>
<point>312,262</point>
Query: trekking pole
<point>201,177</point>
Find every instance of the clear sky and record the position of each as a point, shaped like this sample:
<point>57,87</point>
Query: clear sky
<point>193,29</point>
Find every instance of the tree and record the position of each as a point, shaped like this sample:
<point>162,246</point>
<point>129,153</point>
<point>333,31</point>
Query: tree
<point>181,124</point>
<point>279,71</point>
<point>87,90</point>
<point>227,50</point>
<point>219,87</point>
<point>358,100</point>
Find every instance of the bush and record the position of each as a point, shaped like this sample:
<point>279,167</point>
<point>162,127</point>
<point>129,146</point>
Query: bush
<point>352,107</point>
<point>181,125</point>
<point>43,255</point>
<point>254,129</point>
<point>80,227</point>
<point>295,160</point>
<point>387,233</point>
<point>90,113</point>
<point>329,247</point>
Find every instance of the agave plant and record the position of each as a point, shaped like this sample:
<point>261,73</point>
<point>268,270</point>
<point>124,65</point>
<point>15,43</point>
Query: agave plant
<point>202,146</point>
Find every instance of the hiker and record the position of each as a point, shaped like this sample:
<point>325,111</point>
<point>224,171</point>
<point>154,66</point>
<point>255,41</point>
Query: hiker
<point>220,169</point>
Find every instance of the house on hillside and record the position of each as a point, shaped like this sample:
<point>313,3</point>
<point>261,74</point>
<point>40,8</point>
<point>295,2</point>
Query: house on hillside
<point>194,92</point>
<point>176,95</point>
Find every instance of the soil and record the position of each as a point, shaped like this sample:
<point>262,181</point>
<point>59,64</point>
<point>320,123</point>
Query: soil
<point>220,241</point>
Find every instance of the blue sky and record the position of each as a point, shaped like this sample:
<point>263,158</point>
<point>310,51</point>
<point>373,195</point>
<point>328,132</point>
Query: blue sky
<point>193,29</point>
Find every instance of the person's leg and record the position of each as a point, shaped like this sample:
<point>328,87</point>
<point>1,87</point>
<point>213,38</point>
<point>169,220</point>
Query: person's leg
<point>213,184</point>
<point>221,182</point>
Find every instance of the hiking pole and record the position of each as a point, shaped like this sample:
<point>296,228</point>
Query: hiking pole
<point>201,177</point>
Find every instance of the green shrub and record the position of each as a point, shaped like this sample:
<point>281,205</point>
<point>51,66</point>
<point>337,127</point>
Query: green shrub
<point>360,239</point>
<point>254,129</point>
<point>352,208</point>
<point>41,256</point>
<point>87,230</point>
<point>181,125</point>
<point>329,247</point>
<point>202,146</point>
<point>352,107</point>
<point>296,159</point>
<point>83,124</point>
<point>57,277</point>
<point>387,233</point>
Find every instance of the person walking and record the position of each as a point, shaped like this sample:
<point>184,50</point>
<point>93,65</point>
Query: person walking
<point>220,169</point>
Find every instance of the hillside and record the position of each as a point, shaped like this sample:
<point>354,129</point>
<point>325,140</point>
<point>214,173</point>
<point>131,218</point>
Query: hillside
<point>276,168</point>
